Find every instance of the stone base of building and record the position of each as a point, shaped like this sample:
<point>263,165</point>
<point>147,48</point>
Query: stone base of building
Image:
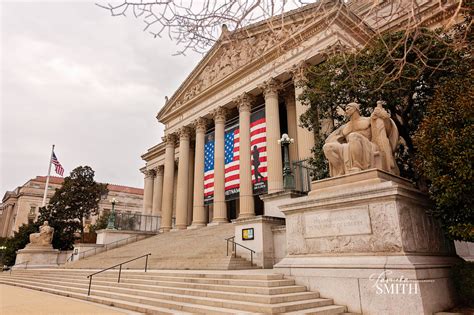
<point>366,241</point>
<point>36,257</point>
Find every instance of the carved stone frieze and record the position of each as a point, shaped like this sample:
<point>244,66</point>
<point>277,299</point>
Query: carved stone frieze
<point>234,54</point>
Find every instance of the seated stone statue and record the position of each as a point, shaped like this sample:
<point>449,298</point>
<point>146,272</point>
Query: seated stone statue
<point>44,237</point>
<point>362,143</point>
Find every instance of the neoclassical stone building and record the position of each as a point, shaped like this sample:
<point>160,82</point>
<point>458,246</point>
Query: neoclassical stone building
<point>22,204</point>
<point>241,98</point>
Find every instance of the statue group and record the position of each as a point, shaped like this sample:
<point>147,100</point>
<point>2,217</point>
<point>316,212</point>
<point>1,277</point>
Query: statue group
<point>363,142</point>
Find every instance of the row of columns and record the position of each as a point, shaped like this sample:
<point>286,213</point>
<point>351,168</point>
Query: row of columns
<point>159,183</point>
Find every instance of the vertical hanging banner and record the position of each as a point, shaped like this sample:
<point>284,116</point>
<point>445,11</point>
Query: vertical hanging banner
<point>209,168</point>
<point>231,160</point>
<point>258,149</point>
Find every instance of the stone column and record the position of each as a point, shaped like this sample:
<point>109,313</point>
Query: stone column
<point>157,191</point>
<point>292,123</point>
<point>275,166</point>
<point>305,137</point>
<point>168,183</point>
<point>190,186</point>
<point>199,211</point>
<point>148,192</point>
<point>246,205</point>
<point>8,218</point>
<point>220,208</point>
<point>183,176</point>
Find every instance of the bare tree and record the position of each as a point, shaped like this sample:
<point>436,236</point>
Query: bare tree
<point>197,24</point>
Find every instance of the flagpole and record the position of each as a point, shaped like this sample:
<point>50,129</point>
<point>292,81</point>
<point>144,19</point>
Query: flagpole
<point>47,179</point>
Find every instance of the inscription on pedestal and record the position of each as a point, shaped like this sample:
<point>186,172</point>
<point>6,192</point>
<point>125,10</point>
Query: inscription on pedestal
<point>352,221</point>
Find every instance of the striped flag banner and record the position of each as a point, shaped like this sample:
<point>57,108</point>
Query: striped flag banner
<point>231,160</point>
<point>209,168</point>
<point>258,144</point>
<point>57,166</point>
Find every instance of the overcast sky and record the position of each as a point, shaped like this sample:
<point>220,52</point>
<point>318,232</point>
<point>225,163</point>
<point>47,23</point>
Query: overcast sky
<point>73,76</point>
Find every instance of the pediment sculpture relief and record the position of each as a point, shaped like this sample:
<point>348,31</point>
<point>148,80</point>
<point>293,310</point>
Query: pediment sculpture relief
<point>233,55</point>
<point>362,143</point>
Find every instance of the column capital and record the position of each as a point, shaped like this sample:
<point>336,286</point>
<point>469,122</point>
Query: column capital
<point>270,87</point>
<point>184,133</point>
<point>219,114</point>
<point>159,170</point>
<point>298,72</point>
<point>170,139</point>
<point>149,173</point>
<point>200,124</point>
<point>244,102</point>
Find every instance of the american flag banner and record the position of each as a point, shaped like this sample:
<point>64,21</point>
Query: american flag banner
<point>258,144</point>
<point>209,168</point>
<point>57,166</point>
<point>231,160</point>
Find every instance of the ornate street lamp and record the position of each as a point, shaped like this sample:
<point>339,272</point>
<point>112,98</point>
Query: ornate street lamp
<point>111,221</point>
<point>288,178</point>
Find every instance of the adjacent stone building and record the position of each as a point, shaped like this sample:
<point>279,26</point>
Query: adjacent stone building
<point>241,98</point>
<point>22,204</point>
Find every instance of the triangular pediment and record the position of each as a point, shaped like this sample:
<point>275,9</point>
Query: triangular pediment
<point>246,48</point>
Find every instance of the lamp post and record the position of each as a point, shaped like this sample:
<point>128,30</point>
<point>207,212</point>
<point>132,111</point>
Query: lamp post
<point>288,178</point>
<point>111,221</point>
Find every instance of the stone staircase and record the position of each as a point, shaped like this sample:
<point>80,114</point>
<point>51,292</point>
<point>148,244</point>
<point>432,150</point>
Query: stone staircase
<point>181,292</point>
<point>197,249</point>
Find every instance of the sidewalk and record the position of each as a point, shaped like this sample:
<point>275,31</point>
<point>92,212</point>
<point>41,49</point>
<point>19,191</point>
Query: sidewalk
<point>22,301</point>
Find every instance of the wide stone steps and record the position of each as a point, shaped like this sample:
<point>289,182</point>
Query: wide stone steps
<point>171,292</point>
<point>199,249</point>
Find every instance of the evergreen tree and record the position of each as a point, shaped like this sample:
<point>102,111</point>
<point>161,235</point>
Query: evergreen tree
<point>69,207</point>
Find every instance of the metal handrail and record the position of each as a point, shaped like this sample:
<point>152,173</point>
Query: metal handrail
<point>120,270</point>
<point>105,248</point>
<point>234,248</point>
<point>23,263</point>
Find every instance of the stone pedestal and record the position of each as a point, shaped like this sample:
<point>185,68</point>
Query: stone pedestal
<point>273,201</point>
<point>36,257</point>
<point>106,236</point>
<point>366,241</point>
<point>262,240</point>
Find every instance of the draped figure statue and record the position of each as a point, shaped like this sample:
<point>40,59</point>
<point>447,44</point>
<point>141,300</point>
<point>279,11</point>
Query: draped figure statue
<point>363,142</point>
<point>44,237</point>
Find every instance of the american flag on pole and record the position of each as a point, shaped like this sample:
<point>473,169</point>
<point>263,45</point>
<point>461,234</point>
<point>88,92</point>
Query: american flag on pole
<point>57,166</point>
<point>231,160</point>
<point>209,168</point>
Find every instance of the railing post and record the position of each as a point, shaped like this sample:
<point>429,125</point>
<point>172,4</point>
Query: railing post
<point>251,258</point>
<point>90,283</point>
<point>227,247</point>
<point>120,273</point>
<point>146,263</point>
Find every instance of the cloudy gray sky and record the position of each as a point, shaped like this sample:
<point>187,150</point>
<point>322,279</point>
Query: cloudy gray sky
<point>73,76</point>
